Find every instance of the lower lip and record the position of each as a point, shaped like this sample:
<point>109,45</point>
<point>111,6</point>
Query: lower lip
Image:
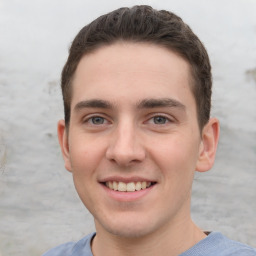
<point>127,196</point>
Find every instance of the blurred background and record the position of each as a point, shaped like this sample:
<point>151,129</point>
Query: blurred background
<point>39,207</point>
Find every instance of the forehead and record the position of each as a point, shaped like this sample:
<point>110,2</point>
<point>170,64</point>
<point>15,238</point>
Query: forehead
<point>131,69</point>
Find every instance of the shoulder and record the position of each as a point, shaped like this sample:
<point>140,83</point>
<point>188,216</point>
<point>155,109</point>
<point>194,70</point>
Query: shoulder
<point>234,248</point>
<point>64,250</point>
<point>217,244</point>
<point>82,247</point>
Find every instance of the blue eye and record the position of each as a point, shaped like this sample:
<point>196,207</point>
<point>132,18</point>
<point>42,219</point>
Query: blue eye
<point>159,120</point>
<point>97,120</point>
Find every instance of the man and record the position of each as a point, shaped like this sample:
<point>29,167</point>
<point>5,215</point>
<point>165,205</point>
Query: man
<point>137,98</point>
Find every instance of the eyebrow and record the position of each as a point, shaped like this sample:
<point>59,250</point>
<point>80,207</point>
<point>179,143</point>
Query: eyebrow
<point>146,103</point>
<point>163,102</point>
<point>93,103</point>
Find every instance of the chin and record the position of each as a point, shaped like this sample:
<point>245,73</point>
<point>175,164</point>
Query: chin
<point>129,228</point>
<point>129,233</point>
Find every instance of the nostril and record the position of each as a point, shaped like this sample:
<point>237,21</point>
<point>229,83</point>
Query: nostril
<point>125,148</point>
<point>123,158</point>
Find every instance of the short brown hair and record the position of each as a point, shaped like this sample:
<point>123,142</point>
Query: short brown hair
<point>143,24</point>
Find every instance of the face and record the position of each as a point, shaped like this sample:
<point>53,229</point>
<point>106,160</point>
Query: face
<point>133,141</point>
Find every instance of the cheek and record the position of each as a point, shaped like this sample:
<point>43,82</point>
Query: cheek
<point>177,149</point>
<point>176,157</point>
<point>85,157</point>
<point>85,160</point>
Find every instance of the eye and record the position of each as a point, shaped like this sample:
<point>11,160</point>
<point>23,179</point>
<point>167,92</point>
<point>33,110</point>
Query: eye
<point>96,120</point>
<point>160,120</point>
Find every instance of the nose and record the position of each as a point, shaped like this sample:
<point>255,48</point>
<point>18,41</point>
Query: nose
<point>125,147</point>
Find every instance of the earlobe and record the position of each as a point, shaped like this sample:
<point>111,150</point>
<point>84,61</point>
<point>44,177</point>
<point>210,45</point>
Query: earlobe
<point>208,147</point>
<point>63,141</point>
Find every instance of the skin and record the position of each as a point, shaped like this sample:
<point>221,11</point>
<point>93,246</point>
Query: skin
<point>133,117</point>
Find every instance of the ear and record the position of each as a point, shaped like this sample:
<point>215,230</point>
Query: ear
<point>208,146</point>
<point>63,141</point>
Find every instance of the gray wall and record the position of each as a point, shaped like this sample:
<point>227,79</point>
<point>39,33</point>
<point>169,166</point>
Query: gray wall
<point>39,207</point>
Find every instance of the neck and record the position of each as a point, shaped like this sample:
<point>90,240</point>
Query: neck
<point>170,241</point>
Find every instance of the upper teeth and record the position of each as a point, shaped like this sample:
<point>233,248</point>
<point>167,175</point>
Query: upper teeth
<point>127,187</point>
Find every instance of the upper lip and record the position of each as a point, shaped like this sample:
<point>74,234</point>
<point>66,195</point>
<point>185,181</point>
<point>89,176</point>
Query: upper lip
<point>125,179</point>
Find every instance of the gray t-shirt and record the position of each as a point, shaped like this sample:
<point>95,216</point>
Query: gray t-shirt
<point>215,244</point>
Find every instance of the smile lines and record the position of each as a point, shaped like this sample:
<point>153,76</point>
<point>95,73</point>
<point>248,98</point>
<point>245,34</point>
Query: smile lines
<point>128,187</point>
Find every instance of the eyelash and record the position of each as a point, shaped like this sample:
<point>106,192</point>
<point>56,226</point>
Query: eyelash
<point>89,120</point>
<point>167,119</point>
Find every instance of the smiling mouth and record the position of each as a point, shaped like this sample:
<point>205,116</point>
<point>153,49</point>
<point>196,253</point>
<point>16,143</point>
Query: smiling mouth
<point>128,187</point>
